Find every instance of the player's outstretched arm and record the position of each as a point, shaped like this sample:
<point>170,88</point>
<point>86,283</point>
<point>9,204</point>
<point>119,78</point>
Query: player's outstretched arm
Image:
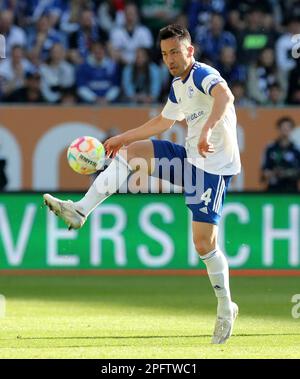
<point>223,98</point>
<point>151,128</point>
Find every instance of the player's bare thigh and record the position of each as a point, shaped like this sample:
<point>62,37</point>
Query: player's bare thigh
<point>140,155</point>
<point>205,237</point>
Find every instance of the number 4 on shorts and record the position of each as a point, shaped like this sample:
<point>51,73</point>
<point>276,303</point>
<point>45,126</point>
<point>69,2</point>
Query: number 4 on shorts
<point>206,196</point>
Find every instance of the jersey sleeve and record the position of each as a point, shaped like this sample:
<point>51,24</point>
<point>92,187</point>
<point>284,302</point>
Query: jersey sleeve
<point>172,109</point>
<point>205,78</point>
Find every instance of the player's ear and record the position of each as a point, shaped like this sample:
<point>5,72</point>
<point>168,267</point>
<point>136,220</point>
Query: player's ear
<point>191,51</point>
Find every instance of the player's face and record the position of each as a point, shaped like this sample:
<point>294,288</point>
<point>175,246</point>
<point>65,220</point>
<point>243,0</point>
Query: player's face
<point>178,55</point>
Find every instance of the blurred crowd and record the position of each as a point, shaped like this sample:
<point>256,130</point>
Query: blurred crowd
<point>105,52</point>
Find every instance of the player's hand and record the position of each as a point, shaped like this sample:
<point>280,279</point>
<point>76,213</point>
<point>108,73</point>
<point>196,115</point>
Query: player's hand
<point>113,145</point>
<point>204,146</point>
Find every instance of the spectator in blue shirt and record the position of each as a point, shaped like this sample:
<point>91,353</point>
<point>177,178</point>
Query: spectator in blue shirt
<point>70,17</point>
<point>14,35</point>
<point>43,37</point>
<point>199,12</point>
<point>80,41</point>
<point>34,9</point>
<point>229,68</point>
<point>98,78</point>
<point>141,81</point>
<point>13,71</point>
<point>17,8</point>
<point>213,39</point>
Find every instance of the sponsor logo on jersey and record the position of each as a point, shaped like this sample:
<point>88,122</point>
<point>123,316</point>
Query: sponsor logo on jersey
<point>190,91</point>
<point>193,116</point>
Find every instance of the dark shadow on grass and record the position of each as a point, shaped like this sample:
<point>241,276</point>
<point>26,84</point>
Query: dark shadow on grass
<point>149,337</point>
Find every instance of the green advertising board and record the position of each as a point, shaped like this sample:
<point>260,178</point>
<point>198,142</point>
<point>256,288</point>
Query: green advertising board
<point>257,231</point>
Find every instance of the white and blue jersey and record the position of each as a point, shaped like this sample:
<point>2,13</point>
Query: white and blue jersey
<point>205,180</point>
<point>191,100</point>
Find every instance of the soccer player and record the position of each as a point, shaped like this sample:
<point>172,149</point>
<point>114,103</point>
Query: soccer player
<point>210,158</point>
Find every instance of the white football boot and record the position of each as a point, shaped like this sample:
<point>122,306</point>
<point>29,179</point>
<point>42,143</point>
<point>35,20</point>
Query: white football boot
<point>66,210</point>
<point>224,326</point>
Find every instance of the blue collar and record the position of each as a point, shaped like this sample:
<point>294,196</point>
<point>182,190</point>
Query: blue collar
<point>188,75</point>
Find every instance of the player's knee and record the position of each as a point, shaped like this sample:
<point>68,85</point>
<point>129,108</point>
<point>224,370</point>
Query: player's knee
<point>130,151</point>
<point>204,246</point>
<point>134,155</point>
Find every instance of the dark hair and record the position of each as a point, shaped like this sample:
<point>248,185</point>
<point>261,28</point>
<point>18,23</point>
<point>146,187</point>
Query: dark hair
<point>174,31</point>
<point>238,83</point>
<point>144,72</point>
<point>33,75</point>
<point>274,85</point>
<point>17,46</point>
<point>281,120</point>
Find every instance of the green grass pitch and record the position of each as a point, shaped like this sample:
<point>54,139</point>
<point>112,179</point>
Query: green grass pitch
<point>144,317</point>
